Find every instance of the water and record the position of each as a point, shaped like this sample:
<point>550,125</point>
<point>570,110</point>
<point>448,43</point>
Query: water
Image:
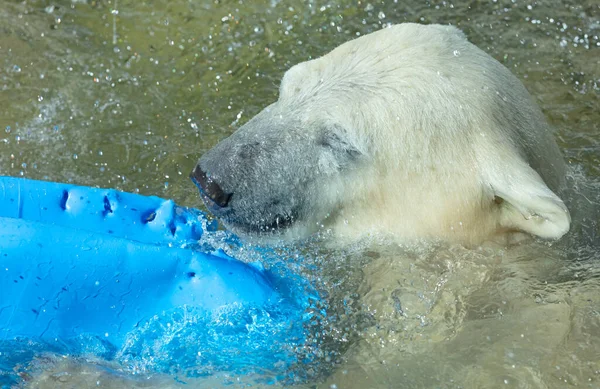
<point>128,94</point>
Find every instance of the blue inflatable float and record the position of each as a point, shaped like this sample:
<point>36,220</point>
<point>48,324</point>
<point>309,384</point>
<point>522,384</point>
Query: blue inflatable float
<point>119,275</point>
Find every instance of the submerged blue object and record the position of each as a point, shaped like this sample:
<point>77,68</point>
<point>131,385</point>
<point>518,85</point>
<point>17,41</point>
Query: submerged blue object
<point>117,273</point>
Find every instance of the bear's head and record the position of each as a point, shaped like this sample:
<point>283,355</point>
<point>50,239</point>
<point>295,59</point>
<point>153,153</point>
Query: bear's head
<point>409,130</point>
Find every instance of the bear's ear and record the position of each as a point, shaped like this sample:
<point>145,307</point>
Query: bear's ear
<point>527,204</point>
<point>293,80</point>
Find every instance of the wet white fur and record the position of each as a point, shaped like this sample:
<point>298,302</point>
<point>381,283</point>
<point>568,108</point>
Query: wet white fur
<point>454,147</point>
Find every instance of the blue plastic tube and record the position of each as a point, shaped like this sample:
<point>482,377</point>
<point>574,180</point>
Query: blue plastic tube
<point>98,262</point>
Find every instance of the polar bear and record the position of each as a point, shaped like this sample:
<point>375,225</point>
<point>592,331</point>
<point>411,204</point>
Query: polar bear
<point>410,131</point>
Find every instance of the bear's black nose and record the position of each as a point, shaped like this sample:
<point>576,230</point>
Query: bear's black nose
<point>209,188</point>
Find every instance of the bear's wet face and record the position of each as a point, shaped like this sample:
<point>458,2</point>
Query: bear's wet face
<point>392,132</point>
<point>274,173</point>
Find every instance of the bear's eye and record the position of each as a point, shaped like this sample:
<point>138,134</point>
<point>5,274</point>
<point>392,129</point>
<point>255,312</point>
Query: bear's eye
<point>338,145</point>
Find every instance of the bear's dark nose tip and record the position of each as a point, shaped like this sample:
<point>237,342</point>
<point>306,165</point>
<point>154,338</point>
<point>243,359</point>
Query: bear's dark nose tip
<point>210,188</point>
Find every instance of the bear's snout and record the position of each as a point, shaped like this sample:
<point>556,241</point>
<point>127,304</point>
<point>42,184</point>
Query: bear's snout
<point>209,188</point>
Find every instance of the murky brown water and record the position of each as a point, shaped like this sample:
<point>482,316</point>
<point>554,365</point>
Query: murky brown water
<point>128,94</point>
